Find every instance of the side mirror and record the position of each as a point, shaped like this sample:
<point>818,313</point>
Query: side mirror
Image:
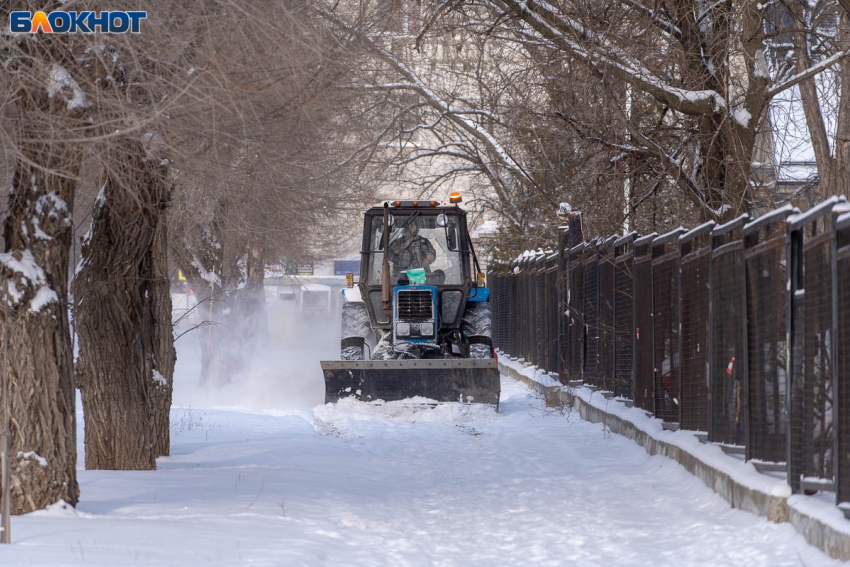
<point>451,239</point>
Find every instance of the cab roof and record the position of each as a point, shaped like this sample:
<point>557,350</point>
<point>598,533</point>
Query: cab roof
<point>422,206</point>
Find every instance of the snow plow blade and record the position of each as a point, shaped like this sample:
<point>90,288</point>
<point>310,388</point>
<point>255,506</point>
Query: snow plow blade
<point>443,380</point>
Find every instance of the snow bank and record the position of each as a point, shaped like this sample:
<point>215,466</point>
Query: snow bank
<point>738,482</point>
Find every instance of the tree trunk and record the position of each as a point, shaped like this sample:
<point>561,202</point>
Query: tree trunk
<point>842,134</point>
<point>251,316</point>
<point>163,342</point>
<point>37,360</point>
<point>814,115</point>
<point>201,261</point>
<point>115,290</point>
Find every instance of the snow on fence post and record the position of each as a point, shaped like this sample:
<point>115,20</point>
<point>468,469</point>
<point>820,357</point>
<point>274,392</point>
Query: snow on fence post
<point>695,246</point>
<point>624,316</point>
<point>812,447</point>
<point>576,305</point>
<point>644,345</point>
<point>606,313</point>
<point>591,313</point>
<point>842,299</point>
<point>666,260</point>
<point>767,385</point>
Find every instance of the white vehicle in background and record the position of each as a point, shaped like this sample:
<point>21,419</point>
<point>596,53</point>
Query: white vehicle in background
<point>314,298</point>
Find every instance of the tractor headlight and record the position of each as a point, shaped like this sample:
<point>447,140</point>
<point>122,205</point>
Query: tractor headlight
<point>402,329</point>
<point>427,329</point>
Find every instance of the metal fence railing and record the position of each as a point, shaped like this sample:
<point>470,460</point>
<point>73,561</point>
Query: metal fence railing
<point>643,378</point>
<point>694,302</point>
<point>765,254</point>
<point>842,312</point>
<point>624,316</point>
<point>741,331</point>
<point>728,334</point>
<point>666,261</point>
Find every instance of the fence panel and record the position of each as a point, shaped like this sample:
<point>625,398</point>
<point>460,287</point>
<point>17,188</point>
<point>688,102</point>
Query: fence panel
<point>591,314</point>
<point>606,314</point>
<point>624,316</point>
<point>495,305</point>
<point>842,272</point>
<point>696,270</point>
<point>540,302</point>
<point>530,312</point>
<point>563,328</point>
<point>576,315</point>
<point>572,237</point>
<point>644,346</point>
<point>729,390</point>
<point>767,384</point>
<point>553,312</point>
<point>665,299</point>
<point>812,428</point>
<point>513,313</point>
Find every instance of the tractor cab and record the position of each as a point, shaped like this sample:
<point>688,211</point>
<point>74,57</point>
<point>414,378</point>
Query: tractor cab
<point>428,238</point>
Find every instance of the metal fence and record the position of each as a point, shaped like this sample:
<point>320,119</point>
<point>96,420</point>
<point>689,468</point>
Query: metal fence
<point>728,334</point>
<point>666,261</point>
<point>694,301</point>
<point>624,316</point>
<point>740,331</point>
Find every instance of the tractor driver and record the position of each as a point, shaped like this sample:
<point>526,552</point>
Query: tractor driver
<point>412,251</point>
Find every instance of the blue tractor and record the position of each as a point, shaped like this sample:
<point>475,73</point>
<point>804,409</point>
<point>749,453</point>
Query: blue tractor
<point>418,324</point>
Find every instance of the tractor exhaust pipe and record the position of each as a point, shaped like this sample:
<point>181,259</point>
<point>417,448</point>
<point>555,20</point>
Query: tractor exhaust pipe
<point>385,265</point>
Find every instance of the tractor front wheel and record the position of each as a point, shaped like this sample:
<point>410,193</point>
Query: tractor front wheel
<point>476,329</point>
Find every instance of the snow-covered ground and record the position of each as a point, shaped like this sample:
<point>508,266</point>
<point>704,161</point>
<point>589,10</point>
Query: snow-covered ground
<point>358,485</point>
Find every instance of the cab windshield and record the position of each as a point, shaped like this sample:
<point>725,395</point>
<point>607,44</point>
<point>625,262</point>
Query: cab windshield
<point>430,242</point>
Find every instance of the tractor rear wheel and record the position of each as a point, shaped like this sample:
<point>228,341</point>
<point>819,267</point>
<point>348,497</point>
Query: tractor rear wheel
<point>355,329</point>
<point>476,329</point>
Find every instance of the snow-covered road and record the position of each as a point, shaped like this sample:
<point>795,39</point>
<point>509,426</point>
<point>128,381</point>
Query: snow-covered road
<point>528,486</point>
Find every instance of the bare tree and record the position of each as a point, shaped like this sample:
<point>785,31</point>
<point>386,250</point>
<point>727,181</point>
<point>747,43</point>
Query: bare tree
<point>42,105</point>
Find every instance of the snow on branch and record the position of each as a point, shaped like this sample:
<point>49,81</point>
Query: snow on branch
<point>600,52</point>
<point>807,74</point>
<point>458,116</point>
